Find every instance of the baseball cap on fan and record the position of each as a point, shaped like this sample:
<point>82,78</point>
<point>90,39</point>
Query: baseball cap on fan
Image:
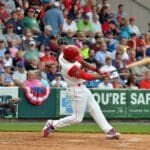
<point>115,75</point>
<point>20,65</point>
<point>32,43</point>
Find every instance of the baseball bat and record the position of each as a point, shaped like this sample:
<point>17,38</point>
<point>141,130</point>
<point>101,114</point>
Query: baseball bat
<point>138,63</point>
<point>134,64</point>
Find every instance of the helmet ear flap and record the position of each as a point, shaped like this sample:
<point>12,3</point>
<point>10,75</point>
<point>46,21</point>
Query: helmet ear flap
<point>71,52</point>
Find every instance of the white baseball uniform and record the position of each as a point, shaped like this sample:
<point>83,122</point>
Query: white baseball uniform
<point>81,99</point>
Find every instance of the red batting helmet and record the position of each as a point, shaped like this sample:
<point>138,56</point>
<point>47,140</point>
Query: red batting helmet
<point>71,52</point>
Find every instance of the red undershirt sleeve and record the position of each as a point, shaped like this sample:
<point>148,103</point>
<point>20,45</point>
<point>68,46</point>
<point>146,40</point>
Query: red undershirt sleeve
<point>77,72</point>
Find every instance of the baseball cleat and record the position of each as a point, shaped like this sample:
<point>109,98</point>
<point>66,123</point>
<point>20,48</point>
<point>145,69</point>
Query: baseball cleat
<point>48,128</point>
<point>112,134</point>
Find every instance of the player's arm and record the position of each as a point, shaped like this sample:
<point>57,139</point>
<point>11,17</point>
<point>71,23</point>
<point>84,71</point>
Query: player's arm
<point>77,72</point>
<point>87,65</point>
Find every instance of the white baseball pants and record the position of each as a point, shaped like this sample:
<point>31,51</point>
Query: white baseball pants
<point>82,99</point>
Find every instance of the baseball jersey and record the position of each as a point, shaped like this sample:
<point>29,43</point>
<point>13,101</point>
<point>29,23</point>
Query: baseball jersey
<point>65,68</point>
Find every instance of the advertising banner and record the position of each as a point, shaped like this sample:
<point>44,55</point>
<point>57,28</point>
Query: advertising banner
<point>139,104</point>
<point>8,103</point>
<point>115,103</point>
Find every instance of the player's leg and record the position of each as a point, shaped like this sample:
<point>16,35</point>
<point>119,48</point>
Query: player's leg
<point>78,102</point>
<point>99,117</point>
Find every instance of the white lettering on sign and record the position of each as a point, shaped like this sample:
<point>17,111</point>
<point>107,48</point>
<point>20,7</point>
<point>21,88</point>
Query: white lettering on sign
<point>110,98</point>
<point>140,99</point>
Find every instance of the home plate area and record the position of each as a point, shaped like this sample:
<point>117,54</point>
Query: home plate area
<point>71,141</point>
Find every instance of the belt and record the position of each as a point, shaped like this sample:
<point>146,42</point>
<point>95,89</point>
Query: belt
<point>79,84</point>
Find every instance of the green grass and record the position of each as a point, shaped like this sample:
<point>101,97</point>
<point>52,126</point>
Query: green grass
<point>84,127</point>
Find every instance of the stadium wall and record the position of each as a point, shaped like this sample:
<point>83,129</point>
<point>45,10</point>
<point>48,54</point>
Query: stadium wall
<point>116,104</point>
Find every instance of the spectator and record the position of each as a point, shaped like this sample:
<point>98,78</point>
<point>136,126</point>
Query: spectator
<point>54,47</point>
<point>11,35</point>
<point>96,25</point>
<point>112,43</point>
<point>123,48</point>
<point>31,80</point>
<point>4,15</point>
<point>124,28</point>
<point>84,51</point>
<point>108,67</point>
<point>58,82</point>
<point>2,36</point>
<point>69,24</point>
<point>131,82</point>
<point>9,5</point>
<point>85,26</point>
<point>138,72</point>
<point>32,64</point>
<point>104,3</point>
<point>94,11</point>
<point>116,82</point>
<point>102,53</point>
<point>105,84</point>
<point>67,4</point>
<point>65,13</point>
<point>44,37</point>
<point>118,62</point>
<point>80,39</point>
<point>20,75</point>
<point>114,28</point>
<point>3,49</point>
<point>74,12</point>
<point>41,48</point>
<point>30,22</point>
<point>121,12</point>
<point>103,14</point>
<point>6,77</point>
<point>132,27</point>
<point>68,38</point>
<point>132,56</point>
<point>19,57</point>
<point>62,45</point>
<point>39,77</point>
<point>26,39</point>
<point>147,40</point>
<point>97,41</point>
<point>145,83</point>
<point>91,59</point>
<point>32,52</point>
<point>48,59</point>
<point>51,71</point>
<point>42,69</point>
<point>7,59</point>
<point>18,26</point>
<point>54,18</point>
<point>13,48</point>
<point>20,13</point>
<point>45,6</point>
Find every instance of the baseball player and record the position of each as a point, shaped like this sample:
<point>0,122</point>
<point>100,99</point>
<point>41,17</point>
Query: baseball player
<point>81,97</point>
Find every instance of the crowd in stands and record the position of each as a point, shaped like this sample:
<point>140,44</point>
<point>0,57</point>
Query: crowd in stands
<point>33,33</point>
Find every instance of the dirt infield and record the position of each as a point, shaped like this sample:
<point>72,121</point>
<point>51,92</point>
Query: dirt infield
<point>71,141</point>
